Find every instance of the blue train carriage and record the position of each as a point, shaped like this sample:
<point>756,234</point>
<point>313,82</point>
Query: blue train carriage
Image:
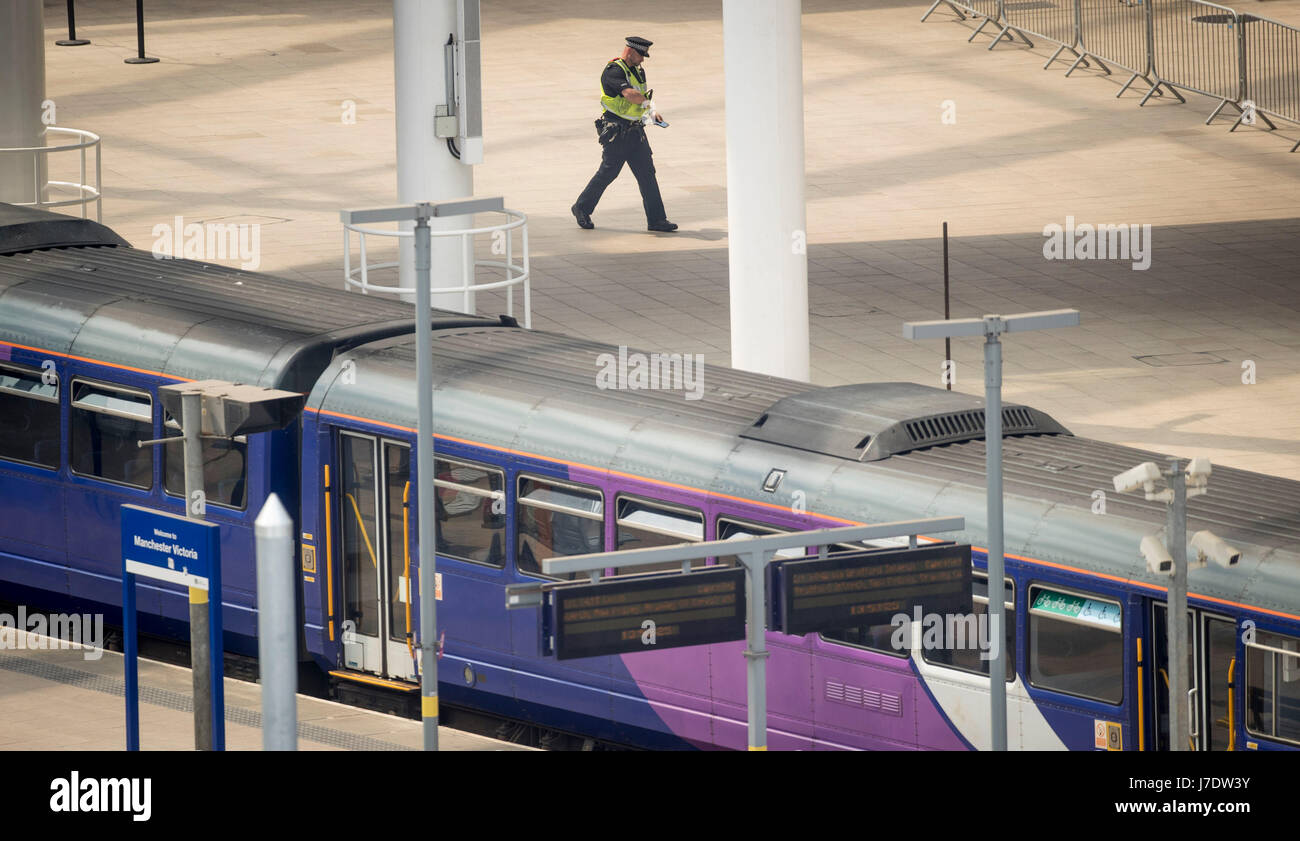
<point>89,329</point>
<point>534,460</point>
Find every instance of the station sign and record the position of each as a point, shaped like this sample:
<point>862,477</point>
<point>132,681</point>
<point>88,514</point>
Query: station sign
<point>857,589</point>
<point>169,547</point>
<point>645,613</point>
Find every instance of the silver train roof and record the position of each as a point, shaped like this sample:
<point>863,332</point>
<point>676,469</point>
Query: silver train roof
<point>538,393</point>
<point>71,286</point>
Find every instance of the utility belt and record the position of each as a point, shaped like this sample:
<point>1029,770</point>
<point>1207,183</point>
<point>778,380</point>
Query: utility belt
<point>610,127</point>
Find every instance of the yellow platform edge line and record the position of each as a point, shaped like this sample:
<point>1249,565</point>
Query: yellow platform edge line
<point>375,681</point>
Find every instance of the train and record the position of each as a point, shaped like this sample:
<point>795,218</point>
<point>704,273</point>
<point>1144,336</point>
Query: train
<point>537,458</point>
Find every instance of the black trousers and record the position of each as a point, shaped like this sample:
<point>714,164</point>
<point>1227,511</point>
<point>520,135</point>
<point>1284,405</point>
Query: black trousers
<point>630,146</point>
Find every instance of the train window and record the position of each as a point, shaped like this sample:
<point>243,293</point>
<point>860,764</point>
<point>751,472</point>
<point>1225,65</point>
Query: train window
<point>879,638</point>
<point>557,518</point>
<point>1273,686</point>
<point>106,424</point>
<point>225,468</point>
<point>471,512</point>
<point>961,644</point>
<point>29,417</point>
<point>359,499</point>
<point>738,530</point>
<point>397,537</point>
<point>642,524</point>
<point>1076,644</point>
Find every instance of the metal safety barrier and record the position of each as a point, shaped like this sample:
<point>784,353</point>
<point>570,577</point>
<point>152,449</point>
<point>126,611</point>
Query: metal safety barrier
<point>1194,47</point>
<point>514,266</point>
<point>1117,33</point>
<point>1270,65</point>
<point>1246,61</point>
<point>985,11</point>
<point>974,8</point>
<point>41,188</point>
<point>1052,20</point>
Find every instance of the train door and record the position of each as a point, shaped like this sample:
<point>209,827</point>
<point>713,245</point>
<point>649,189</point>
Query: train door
<point>374,488</point>
<point>1211,649</point>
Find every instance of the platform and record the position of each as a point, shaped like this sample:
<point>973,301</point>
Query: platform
<point>58,700</point>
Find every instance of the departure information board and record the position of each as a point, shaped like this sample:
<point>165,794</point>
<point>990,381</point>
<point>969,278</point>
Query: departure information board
<point>857,589</point>
<point>647,614</point>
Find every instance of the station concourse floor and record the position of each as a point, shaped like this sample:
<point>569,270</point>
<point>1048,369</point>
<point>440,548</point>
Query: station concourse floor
<point>243,120</point>
<point>56,699</point>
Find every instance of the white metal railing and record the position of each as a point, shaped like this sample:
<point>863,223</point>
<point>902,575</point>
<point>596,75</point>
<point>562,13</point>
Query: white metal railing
<point>86,193</point>
<point>503,243</point>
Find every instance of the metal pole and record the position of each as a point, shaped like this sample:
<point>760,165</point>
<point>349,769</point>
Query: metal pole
<point>947,340</point>
<point>276,614</point>
<point>196,509</point>
<point>991,327</point>
<point>756,648</point>
<point>1176,611</point>
<point>993,469</point>
<point>72,40</point>
<point>139,57</point>
<point>131,662</point>
<point>425,469</point>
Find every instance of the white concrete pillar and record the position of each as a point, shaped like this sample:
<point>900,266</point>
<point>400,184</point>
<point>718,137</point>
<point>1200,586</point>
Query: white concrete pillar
<point>763,60</point>
<point>22,90</point>
<point>426,170</point>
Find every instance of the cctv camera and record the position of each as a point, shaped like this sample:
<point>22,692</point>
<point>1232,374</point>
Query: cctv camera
<point>1209,545</point>
<point>1198,475</point>
<point>1158,560</point>
<point>1143,476</point>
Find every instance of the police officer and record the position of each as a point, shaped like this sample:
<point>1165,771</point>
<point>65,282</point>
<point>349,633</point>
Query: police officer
<point>621,133</point>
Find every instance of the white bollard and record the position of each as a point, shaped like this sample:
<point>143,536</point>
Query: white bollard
<point>277,649</point>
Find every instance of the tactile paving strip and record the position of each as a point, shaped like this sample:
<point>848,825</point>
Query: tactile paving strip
<point>185,703</point>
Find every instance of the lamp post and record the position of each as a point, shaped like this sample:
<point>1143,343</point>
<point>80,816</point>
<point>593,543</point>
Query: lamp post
<point>420,213</point>
<point>991,327</point>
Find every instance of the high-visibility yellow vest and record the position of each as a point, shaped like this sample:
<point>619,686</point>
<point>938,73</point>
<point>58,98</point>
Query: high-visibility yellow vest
<point>621,106</point>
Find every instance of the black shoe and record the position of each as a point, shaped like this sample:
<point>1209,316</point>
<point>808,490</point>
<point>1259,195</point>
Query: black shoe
<point>665,226</point>
<point>584,219</point>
